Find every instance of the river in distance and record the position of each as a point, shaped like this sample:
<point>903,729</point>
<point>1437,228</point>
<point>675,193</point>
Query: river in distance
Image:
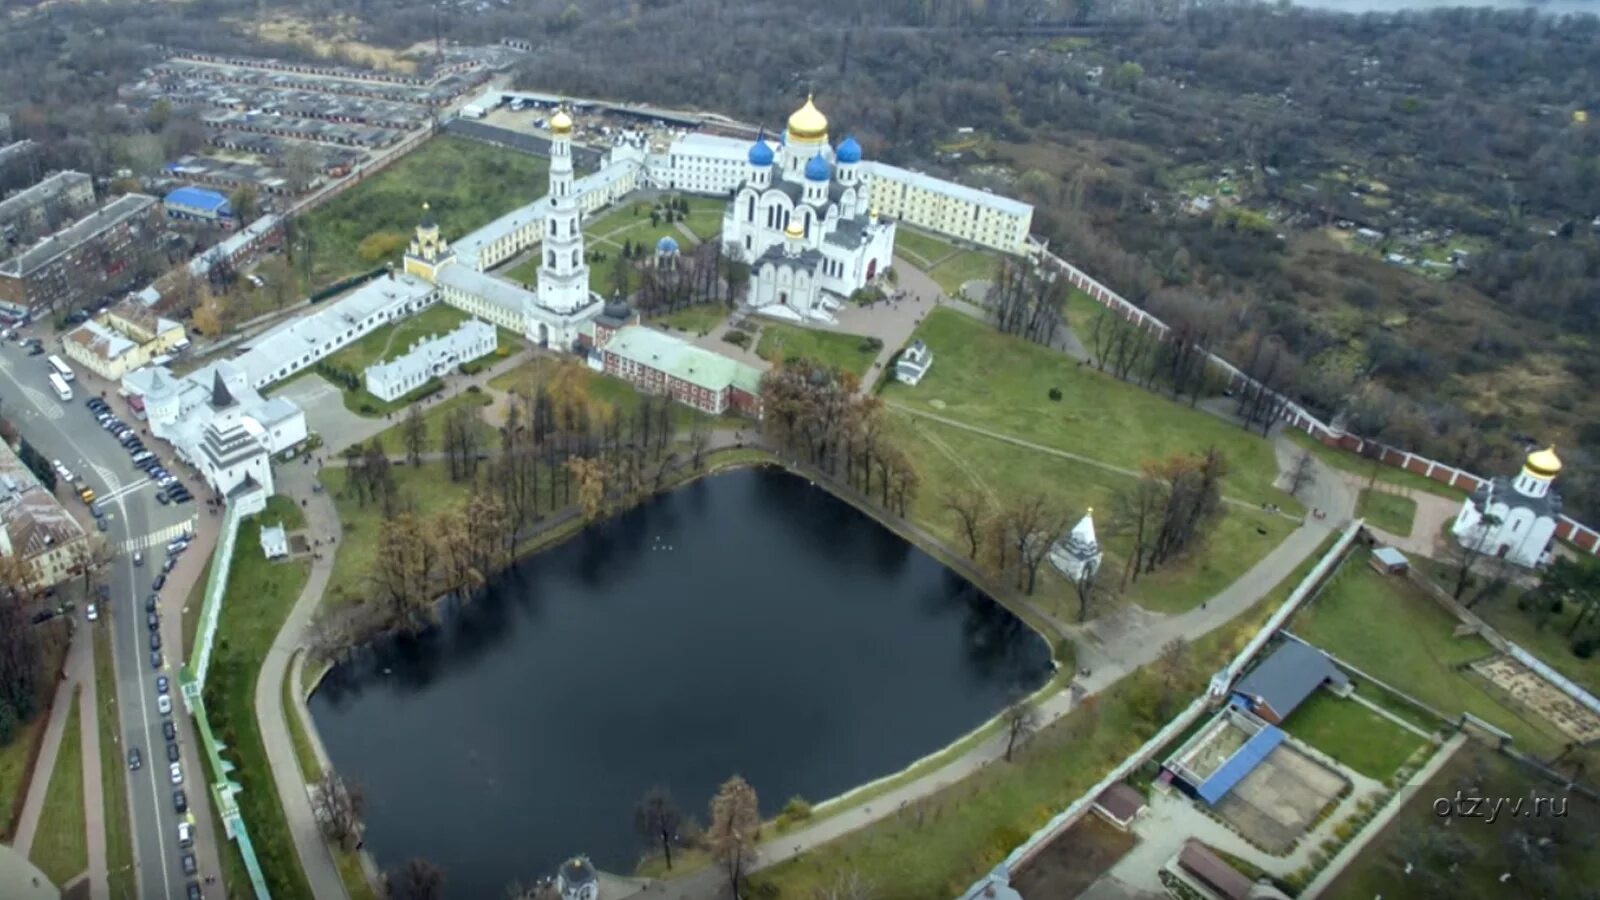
<point>747,623</point>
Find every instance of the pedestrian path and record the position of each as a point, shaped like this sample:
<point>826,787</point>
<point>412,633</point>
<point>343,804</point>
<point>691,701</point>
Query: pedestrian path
<point>158,537</point>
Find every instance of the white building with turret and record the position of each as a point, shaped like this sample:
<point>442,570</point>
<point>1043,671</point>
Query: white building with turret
<point>1077,555</point>
<point>1514,518</point>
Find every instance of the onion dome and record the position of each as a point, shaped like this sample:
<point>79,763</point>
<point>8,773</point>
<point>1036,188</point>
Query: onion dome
<point>808,123</point>
<point>795,229</point>
<point>760,153</point>
<point>666,245</point>
<point>817,169</point>
<point>849,151</point>
<point>1544,463</point>
<point>427,216</point>
<point>561,123</point>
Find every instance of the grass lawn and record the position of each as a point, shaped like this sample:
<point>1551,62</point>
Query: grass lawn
<point>938,846</point>
<point>1387,627</point>
<point>847,352</point>
<point>1346,461</point>
<point>600,388</point>
<point>705,217</point>
<point>468,184</point>
<point>1568,867</point>
<point>1550,643</point>
<point>948,265</point>
<point>391,341</point>
<point>113,773</point>
<point>1393,513</point>
<point>429,484</point>
<point>433,416</point>
<point>948,458</point>
<point>259,596</point>
<point>700,319</point>
<point>348,862</point>
<point>61,845</point>
<point>630,222</point>
<point>996,381</point>
<point>1352,734</point>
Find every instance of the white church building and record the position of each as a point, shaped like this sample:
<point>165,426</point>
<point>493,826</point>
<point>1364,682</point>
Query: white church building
<point>802,220</point>
<point>1514,518</point>
<point>1077,555</point>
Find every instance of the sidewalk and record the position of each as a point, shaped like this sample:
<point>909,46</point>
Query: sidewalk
<point>79,667</point>
<point>94,804</point>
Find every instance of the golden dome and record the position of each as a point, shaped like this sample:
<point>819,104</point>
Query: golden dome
<point>561,123</point>
<point>1544,463</point>
<point>795,229</point>
<point>808,123</point>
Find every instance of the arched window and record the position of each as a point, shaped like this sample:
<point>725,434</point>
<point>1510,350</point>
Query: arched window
<point>574,259</point>
<point>550,259</point>
<point>572,227</point>
<point>751,216</point>
<point>808,224</point>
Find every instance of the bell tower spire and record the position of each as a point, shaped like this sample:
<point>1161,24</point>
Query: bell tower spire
<point>563,272</point>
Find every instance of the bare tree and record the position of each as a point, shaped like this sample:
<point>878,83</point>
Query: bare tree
<point>735,827</point>
<point>699,440</point>
<point>339,806</point>
<point>418,879</point>
<point>970,507</point>
<point>656,819</point>
<point>1022,720</point>
<point>1093,592</point>
<point>1465,553</point>
<point>414,433</point>
<point>1303,473</point>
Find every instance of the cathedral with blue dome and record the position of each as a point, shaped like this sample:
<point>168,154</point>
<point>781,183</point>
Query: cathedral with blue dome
<point>803,221</point>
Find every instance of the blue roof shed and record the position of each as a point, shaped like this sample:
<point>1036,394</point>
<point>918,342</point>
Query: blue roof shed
<point>198,199</point>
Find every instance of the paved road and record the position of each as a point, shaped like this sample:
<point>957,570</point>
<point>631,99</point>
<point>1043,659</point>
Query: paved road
<point>66,431</point>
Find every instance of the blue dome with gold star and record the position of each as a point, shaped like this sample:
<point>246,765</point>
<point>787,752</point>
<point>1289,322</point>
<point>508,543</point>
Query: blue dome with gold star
<point>817,169</point>
<point>760,153</point>
<point>849,151</point>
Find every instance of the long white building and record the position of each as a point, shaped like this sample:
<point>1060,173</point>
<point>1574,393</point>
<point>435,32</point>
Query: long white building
<point>429,359</point>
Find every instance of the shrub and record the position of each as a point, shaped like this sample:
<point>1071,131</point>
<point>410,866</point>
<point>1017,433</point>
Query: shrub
<point>871,344</point>
<point>474,389</point>
<point>737,338</point>
<point>796,809</point>
<point>1585,647</point>
<point>1055,394</point>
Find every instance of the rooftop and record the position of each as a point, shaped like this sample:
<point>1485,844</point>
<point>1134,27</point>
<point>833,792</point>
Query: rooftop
<point>682,360</point>
<point>1286,678</point>
<point>100,340</point>
<point>196,198</point>
<point>272,351</point>
<point>89,227</point>
<point>33,519</point>
<point>947,188</point>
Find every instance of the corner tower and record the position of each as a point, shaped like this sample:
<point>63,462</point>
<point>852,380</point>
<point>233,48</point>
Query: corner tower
<point>563,273</point>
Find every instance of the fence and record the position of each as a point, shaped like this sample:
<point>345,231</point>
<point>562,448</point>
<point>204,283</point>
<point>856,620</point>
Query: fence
<point>1147,751</point>
<point>192,678</point>
<point>1296,416</point>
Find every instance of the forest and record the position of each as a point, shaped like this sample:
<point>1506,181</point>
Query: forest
<point>1470,123</point>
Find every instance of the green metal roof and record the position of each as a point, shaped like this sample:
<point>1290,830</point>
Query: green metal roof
<point>683,360</point>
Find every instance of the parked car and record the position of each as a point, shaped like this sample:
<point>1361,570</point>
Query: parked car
<point>185,834</point>
<point>180,496</point>
<point>189,867</point>
<point>155,659</point>
<point>180,802</point>
<point>162,684</point>
<point>138,557</point>
<point>175,772</point>
<point>134,759</point>
<point>167,566</point>
<point>172,753</point>
<point>169,731</point>
<point>153,621</point>
<point>102,524</point>
<point>155,640</point>
<point>177,545</point>
<point>162,498</point>
<point>194,892</point>
<point>150,602</point>
<point>164,704</point>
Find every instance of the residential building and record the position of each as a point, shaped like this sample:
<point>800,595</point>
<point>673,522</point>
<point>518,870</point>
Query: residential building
<point>95,255</point>
<point>32,213</point>
<point>945,207</point>
<point>431,358</point>
<point>123,338</point>
<point>36,526</point>
<point>194,204</point>
<point>1284,680</point>
<point>662,364</point>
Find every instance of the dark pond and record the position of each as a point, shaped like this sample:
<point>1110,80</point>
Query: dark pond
<point>748,623</point>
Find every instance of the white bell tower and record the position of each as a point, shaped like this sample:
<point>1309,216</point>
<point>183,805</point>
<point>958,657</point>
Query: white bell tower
<point>563,273</point>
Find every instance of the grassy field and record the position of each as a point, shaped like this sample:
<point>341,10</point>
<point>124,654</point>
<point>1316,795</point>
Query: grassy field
<point>429,484</point>
<point>948,458</point>
<point>705,216</point>
<point>434,417</point>
<point>599,388</point>
<point>391,341</point>
<point>468,184</point>
<point>1393,513</point>
<point>113,773</point>
<point>259,595</point>
<point>1385,626</point>
<point>846,352</point>
<point>701,319</point>
<point>995,381</point>
<point>1363,468</point>
<point>61,845</point>
<point>1550,643</point>
<point>938,846</point>
<point>1568,866</point>
<point>1352,734</point>
<point>949,266</point>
